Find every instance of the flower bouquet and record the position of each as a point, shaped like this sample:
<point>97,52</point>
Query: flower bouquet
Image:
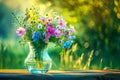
<point>38,31</point>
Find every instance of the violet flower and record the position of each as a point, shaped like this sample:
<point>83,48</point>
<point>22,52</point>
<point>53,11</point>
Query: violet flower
<point>62,24</point>
<point>57,33</point>
<point>43,19</point>
<point>47,36</point>
<point>50,30</point>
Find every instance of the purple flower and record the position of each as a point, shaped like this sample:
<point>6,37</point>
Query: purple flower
<point>43,19</point>
<point>57,33</point>
<point>46,40</point>
<point>47,36</point>
<point>62,23</point>
<point>50,30</point>
<point>21,31</point>
<point>36,36</point>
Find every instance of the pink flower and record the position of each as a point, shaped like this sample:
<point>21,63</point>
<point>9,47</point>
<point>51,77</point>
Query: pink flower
<point>21,31</point>
<point>46,40</point>
<point>47,36</point>
<point>62,23</point>
<point>48,23</point>
<point>49,19</point>
<point>50,30</point>
<point>57,33</point>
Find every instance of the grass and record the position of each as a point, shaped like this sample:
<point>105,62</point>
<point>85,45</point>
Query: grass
<point>12,56</point>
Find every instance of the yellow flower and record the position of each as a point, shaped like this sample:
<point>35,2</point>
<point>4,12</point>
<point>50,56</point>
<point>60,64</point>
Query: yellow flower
<point>74,47</point>
<point>32,21</point>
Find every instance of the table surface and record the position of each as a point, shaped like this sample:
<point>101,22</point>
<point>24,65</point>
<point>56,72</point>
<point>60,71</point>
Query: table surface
<point>10,74</point>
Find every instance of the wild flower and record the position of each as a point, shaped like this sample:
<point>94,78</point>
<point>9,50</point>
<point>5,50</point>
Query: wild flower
<point>41,30</point>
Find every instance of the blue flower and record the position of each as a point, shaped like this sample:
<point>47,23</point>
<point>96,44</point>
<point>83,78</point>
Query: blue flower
<point>67,44</point>
<point>36,36</point>
<point>72,37</point>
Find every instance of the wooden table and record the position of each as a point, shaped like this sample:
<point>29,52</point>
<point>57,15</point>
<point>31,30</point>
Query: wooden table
<point>61,75</point>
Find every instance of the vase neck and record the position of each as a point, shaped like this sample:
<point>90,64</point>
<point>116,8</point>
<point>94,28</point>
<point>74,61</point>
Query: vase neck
<point>31,48</point>
<point>42,53</point>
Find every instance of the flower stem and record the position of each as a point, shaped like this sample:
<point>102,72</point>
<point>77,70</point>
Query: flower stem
<point>16,18</point>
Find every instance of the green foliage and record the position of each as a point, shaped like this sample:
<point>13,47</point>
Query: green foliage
<point>98,27</point>
<point>11,56</point>
<point>6,25</point>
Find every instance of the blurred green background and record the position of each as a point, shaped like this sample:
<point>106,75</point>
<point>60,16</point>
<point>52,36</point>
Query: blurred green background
<point>97,24</point>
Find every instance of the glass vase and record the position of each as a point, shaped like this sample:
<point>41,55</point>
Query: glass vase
<point>38,61</point>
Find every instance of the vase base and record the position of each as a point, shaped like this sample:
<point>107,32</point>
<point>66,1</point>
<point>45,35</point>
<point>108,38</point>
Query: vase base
<point>38,71</point>
<point>38,68</point>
